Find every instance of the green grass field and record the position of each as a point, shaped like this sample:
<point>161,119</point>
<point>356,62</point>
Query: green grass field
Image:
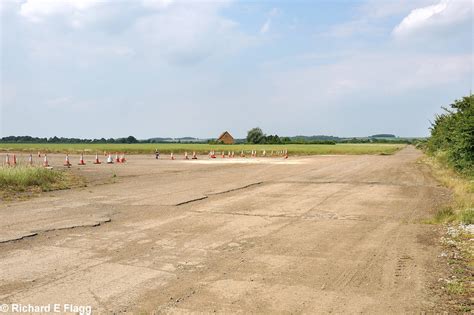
<point>200,148</point>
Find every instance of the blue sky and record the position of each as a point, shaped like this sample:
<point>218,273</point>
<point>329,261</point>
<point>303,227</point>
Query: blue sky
<point>90,68</point>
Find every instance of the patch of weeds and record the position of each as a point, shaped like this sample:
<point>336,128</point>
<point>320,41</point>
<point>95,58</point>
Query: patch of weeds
<point>455,287</point>
<point>458,270</point>
<point>461,208</point>
<point>445,214</point>
<point>467,216</point>
<point>459,284</point>
<point>23,181</point>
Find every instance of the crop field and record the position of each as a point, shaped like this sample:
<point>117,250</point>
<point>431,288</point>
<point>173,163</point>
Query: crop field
<point>201,148</point>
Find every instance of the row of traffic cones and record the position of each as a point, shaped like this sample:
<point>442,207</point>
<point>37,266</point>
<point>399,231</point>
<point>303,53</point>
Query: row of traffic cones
<point>110,160</point>
<point>253,153</point>
<point>186,156</point>
<point>12,161</point>
<point>231,154</point>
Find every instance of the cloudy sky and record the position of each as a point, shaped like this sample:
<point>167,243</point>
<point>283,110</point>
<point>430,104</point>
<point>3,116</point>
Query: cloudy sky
<point>98,68</point>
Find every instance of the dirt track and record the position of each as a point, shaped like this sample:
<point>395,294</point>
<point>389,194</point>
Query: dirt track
<point>338,234</point>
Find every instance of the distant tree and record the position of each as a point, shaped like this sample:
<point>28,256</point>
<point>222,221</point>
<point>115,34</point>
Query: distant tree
<point>272,139</point>
<point>255,135</point>
<point>131,139</point>
<point>53,139</point>
<point>383,135</point>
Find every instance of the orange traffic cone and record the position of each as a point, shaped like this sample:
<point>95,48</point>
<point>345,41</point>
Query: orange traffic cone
<point>7,159</point>
<point>39,154</point>
<point>45,162</point>
<point>122,158</point>
<point>14,160</point>
<point>66,161</point>
<point>223,154</point>
<point>213,155</point>
<point>81,160</point>
<point>97,161</point>
<point>186,155</point>
<point>172,156</point>
<point>228,154</point>
<point>194,155</point>
<point>30,159</point>
<point>286,154</point>
<point>117,158</point>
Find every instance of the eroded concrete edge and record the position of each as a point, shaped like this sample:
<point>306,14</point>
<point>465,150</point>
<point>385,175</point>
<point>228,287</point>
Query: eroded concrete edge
<point>21,236</point>
<point>217,193</point>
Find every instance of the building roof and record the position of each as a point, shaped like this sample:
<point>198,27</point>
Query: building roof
<point>223,134</point>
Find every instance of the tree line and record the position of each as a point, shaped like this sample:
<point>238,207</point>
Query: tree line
<point>29,139</point>
<point>256,136</point>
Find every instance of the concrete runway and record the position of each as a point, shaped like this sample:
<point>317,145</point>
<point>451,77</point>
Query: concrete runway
<point>321,234</point>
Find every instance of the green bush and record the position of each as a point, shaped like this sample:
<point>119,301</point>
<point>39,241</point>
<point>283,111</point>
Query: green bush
<point>452,135</point>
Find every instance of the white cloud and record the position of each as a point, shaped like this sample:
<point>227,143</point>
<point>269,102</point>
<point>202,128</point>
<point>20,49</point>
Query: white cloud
<point>357,75</point>
<point>157,4</point>
<point>351,28</point>
<point>442,14</point>
<point>187,34</point>
<point>164,31</point>
<point>265,27</point>
<point>38,10</point>
<point>383,9</point>
<point>9,4</point>
<point>274,12</point>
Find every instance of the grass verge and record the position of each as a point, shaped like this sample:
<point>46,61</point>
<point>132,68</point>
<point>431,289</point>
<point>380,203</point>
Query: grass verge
<point>462,208</point>
<point>458,220</point>
<point>21,180</point>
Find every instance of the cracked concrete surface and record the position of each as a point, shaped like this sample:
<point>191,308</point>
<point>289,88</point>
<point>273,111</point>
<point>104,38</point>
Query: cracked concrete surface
<point>314,234</point>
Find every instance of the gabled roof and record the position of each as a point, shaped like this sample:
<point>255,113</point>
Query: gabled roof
<point>223,134</point>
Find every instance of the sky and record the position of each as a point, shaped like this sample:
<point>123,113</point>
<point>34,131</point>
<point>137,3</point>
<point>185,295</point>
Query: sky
<point>171,68</point>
